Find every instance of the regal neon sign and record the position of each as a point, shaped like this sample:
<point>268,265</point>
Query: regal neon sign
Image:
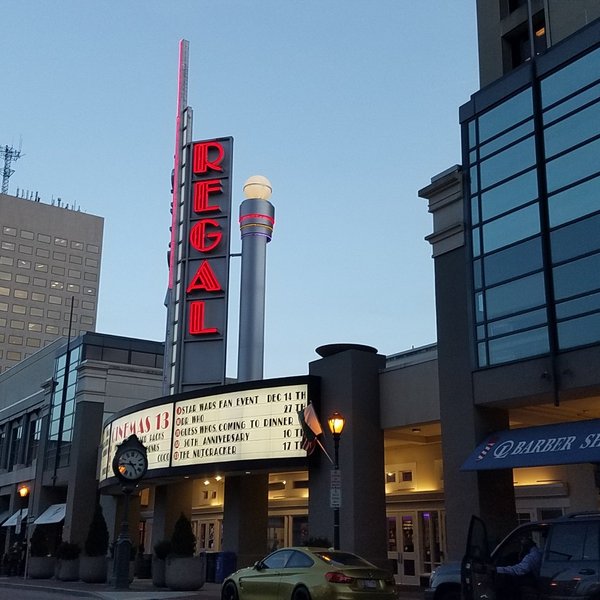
<point>205,261</point>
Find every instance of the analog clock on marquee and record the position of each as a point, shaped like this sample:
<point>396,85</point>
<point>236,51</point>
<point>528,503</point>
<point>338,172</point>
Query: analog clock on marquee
<point>131,461</point>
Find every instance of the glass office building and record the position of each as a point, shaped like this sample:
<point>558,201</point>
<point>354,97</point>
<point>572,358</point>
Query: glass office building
<point>531,153</point>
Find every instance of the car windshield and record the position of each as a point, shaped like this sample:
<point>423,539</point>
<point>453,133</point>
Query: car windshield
<point>342,559</point>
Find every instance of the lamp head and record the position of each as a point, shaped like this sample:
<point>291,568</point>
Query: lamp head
<point>336,423</point>
<point>24,491</point>
<point>257,187</point>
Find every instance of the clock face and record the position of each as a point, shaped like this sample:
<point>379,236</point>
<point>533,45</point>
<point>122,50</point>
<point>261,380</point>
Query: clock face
<point>131,464</point>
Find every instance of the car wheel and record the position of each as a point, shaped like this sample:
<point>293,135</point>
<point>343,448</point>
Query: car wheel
<point>229,591</point>
<point>449,595</point>
<point>301,593</point>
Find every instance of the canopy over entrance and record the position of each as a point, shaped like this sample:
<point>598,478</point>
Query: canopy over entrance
<point>558,444</point>
<point>20,515</point>
<point>53,514</point>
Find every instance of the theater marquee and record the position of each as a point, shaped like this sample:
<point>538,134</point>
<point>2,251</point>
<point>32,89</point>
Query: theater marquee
<point>240,425</point>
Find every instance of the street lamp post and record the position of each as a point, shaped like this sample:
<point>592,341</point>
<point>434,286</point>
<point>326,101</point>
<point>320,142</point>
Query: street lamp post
<point>336,425</point>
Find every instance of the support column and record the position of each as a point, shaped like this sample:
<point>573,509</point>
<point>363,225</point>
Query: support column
<point>246,507</point>
<point>349,375</point>
<point>246,501</point>
<point>583,493</point>
<point>490,495</point>
<point>169,502</point>
<point>82,490</point>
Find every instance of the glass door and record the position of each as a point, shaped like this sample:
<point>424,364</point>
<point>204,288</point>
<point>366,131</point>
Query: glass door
<point>403,546</point>
<point>208,534</point>
<point>430,535</point>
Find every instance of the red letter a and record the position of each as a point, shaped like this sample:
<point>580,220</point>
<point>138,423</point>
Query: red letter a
<point>204,279</point>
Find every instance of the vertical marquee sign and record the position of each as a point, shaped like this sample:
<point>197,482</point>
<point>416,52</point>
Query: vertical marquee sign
<point>204,268</point>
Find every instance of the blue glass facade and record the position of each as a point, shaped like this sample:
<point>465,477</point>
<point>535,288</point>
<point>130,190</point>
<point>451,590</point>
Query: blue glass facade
<point>531,150</point>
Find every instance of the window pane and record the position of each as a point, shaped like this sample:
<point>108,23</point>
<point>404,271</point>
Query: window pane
<point>571,78</point>
<point>509,195</point>
<point>574,202</point>
<point>516,296</point>
<point>565,542</point>
<point>511,228</point>
<point>520,345</point>
<point>569,105</point>
<point>512,160</point>
<point>576,239</point>
<point>514,261</point>
<point>517,322</point>
<point>510,112</point>
<point>578,306</point>
<point>575,165</point>
<point>506,139</point>
<point>476,241</point>
<point>572,131</point>
<point>577,277</point>
<point>477,279</point>
<point>472,137</point>
<point>578,332</point>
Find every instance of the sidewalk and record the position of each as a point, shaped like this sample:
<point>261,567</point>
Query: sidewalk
<point>140,589</point>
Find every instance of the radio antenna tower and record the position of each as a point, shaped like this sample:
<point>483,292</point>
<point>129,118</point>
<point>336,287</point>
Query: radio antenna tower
<point>9,154</point>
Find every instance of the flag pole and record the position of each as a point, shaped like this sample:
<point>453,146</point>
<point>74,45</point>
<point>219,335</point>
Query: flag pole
<point>323,448</point>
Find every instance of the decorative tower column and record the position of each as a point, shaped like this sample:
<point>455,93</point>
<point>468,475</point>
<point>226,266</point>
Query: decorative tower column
<point>257,218</point>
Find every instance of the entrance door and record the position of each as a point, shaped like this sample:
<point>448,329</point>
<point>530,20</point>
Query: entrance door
<point>208,534</point>
<point>402,546</point>
<point>431,541</point>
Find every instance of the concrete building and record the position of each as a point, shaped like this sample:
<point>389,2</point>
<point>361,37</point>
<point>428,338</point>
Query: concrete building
<point>52,406</point>
<point>49,256</point>
<point>516,251</point>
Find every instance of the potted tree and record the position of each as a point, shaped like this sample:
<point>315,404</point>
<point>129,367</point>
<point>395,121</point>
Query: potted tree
<point>184,570</point>
<point>92,565</point>
<point>162,549</point>
<point>67,554</point>
<point>41,565</point>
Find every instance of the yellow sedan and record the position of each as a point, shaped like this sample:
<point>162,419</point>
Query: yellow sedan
<point>310,574</point>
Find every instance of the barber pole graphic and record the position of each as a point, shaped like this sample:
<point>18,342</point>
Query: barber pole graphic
<point>491,443</point>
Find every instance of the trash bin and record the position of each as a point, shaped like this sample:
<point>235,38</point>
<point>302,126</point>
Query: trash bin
<point>211,561</point>
<point>224,565</point>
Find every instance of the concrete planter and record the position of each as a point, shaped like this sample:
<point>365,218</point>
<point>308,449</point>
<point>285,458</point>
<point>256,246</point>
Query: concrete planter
<point>93,569</point>
<point>67,570</point>
<point>185,573</point>
<point>41,567</point>
<point>159,567</point>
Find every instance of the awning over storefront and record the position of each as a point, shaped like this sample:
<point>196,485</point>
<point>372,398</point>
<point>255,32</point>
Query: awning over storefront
<point>558,444</point>
<point>53,514</point>
<point>12,521</point>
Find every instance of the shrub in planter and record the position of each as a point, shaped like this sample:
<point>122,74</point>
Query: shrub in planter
<point>39,542</point>
<point>162,549</point>
<point>183,540</point>
<point>184,570</point>
<point>41,565</point>
<point>93,566</point>
<point>96,543</point>
<point>67,554</point>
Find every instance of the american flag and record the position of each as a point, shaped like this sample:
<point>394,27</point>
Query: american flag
<point>311,428</point>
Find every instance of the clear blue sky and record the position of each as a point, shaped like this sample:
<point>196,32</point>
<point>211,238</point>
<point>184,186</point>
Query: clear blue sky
<point>348,106</point>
